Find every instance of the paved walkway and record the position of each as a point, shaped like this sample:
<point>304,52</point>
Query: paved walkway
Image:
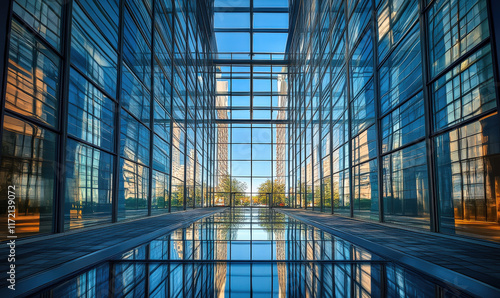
<point>50,258</point>
<point>457,260</point>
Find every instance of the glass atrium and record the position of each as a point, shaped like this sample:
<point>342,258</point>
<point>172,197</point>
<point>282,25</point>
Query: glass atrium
<point>286,117</point>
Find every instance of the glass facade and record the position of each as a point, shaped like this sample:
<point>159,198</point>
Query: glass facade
<point>380,110</point>
<point>392,109</point>
<point>98,95</point>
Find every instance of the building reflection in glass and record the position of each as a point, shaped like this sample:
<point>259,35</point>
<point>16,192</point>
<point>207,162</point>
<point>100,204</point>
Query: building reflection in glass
<point>243,253</point>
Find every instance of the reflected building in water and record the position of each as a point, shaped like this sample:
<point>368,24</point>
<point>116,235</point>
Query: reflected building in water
<point>200,261</point>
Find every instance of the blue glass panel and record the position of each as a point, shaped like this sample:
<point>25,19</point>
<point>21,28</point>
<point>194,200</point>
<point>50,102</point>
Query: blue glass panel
<point>134,140</point>
<point>91,53</point>
<point>135,97</point>
<point>360,18</point>
<point>105,15</point>
<point>403,125</point>
<point>362,64</point>
<point>33,78</point>
<point>161,155</point>
<point>394,19</point>
<point>363,109</point>
<point>465,91</point>
<point>90,113</point>
<point>160,195</point>
<point>136,49</point>
<point>133,190</point>
<point>467,163</point>
<point>162,86</point>
<point>455,27</point>
<point>364,146</point>
<point>365,200</point>
<point>161,120</point>
<point>44,16</point>
<point>405,190</point>
<point>89,186</point>
<point>401,74</point>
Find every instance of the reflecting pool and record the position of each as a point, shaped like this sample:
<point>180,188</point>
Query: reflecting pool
<point>250,253</point>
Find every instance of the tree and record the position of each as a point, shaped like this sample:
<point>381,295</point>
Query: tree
<point>228,184</point>
<point>277,189</point>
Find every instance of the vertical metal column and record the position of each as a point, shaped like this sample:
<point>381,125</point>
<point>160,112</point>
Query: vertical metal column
<point>349,124</point>
<point>58,226</point>
<point>116,167</point>
<point>151,111</point>
<point>171,105</point>
<point>494,26</point>
<point>378,120</point>
<point>434,216</point>
<point>5,16</point>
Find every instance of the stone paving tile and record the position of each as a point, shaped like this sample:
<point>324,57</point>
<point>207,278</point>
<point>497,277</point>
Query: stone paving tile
<point>33,257</point>
<point>476,259</point>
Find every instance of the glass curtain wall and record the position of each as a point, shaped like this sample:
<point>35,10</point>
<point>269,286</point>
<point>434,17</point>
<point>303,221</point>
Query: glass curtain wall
<point>108,111</point>
<point>393,106</point>
<point>251,103</point>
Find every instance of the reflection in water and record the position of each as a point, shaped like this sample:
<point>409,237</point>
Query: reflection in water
<point>249,252</point>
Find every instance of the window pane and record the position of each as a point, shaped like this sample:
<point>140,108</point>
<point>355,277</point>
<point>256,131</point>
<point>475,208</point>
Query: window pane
<point>91,53</point>
<point>29,163</point>
<point>44,16</point>
<point>232,3</point>
<point>161,155</point>
<point>161,122</point>
<point>232,42</point>
<point>465,91</point>
<point>231,20</point>
<point>362,64</point>
<point>136,48</point>
<point>33,78</point>
<point>160,195</point>
<point>270,20</point>
<point>133,190</point>
<point>366,190</point>
<point>135,97</point>
<point>405,124</point>
<point>90,113</point>
<point>468,164</point>
<point>363,109</point>
<point>405,190</point>
<point>89,186</point>
<point>134,140</point>
<point>273,3</point>
<point>394,19</point>
<point>269,42</point>
<point>105,14</point>
<point>455,27</point>
<point>341,194</point>
<point>401,74</point>
<point>364,146</point>
<point>359,20</point>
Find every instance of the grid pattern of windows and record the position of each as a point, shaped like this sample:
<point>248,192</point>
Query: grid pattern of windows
<point>384,110</point>
<point>251,103</point>
<point>392,109</point>
<point>89,126</point>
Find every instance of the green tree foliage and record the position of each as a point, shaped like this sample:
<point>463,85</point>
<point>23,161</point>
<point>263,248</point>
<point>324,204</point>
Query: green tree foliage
<point>228,184</point>
<point>277,189</point>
